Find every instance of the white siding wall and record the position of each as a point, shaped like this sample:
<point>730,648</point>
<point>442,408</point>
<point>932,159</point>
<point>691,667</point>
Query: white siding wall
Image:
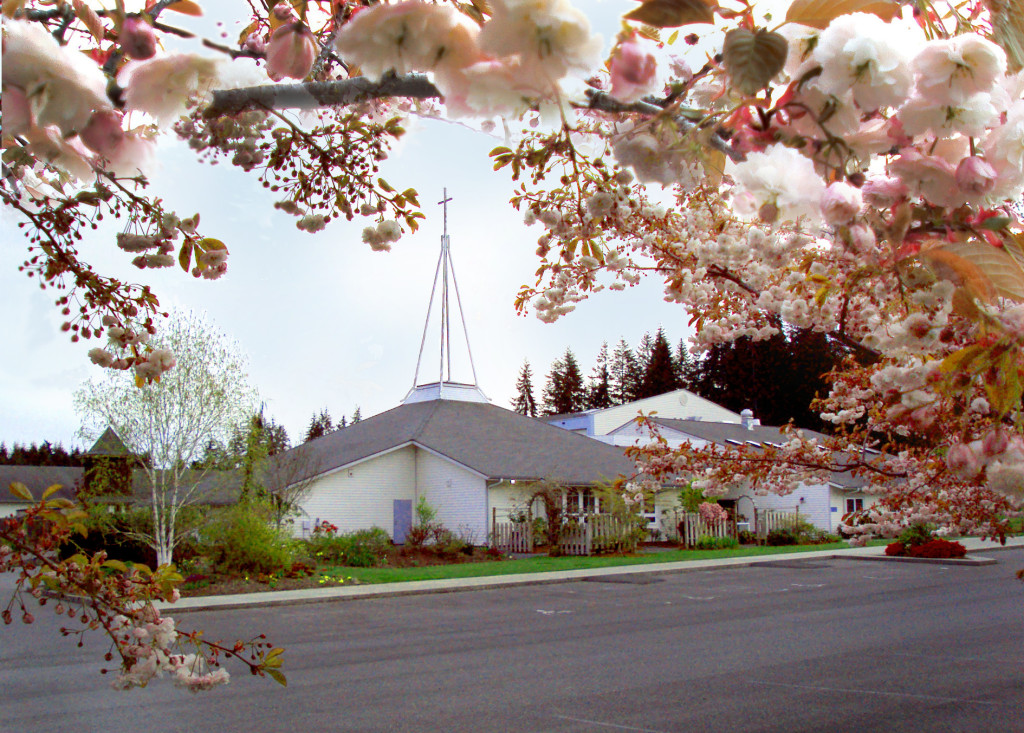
<point>814,508</point>
<point>669,405</point>
<point>505,497</point>
<point>362,496</point>
<point>459,495</point>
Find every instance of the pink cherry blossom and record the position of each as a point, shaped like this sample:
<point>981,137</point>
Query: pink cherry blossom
<point>634,70</point>
<point>975,176</point>
<point>408,36</point>
<point>138,39</point>
<point>841,203</point>
<point>63,86</point>
<point>163,86</point>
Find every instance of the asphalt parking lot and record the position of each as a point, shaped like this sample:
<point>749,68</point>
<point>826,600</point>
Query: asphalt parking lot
<point>792,645</point>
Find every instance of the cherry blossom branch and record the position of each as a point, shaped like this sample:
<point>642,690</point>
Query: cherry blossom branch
<point>603,102</point>
<point>310,95</point>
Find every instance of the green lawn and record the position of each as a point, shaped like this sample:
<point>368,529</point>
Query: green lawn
<point>543,564</point>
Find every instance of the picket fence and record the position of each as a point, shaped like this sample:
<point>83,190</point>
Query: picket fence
<point>692,526</point>
<point>769,520</point>
<point>585,534</point>
<point>512,536</point>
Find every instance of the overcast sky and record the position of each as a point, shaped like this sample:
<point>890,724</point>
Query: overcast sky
<point>324,321</point>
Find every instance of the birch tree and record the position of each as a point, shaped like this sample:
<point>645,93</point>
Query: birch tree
<point>168,424</point>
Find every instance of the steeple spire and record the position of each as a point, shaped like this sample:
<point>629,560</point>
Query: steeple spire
<point>445,387</point>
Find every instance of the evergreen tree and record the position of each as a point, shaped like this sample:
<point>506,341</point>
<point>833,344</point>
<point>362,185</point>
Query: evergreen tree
<point>357,415</point>
<point>777,378</point>
<point>625,375</point>
<point>599,389</point>
<point>684,365</point>
<point>524,402</point>
<point>564,391</point>
<point>319,426</point>
<point>660,371</point>
<point>644,349</point>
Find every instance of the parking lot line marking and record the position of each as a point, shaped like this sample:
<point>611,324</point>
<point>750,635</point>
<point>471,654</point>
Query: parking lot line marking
<point>822,688</point>
<point>609,725</point>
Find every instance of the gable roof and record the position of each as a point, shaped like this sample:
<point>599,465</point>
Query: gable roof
<point>109,444</point>
<point>493,441</point>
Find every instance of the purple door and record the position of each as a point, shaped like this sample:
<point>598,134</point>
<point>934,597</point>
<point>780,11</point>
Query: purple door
<point>402,520</point>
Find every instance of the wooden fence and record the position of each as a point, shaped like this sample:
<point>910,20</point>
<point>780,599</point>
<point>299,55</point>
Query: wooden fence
<point>593,533</point>
<point>692,526</point>
<point>584,534</point>
<point>769,520</point>
<point>511,536</point>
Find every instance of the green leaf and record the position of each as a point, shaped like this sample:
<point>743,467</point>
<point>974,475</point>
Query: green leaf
<point>277,676</point>
<point>209,243</point>
<point>21,491</point>
<point>674,13</point>
<point>50,491</point>
<point>384,185</point>
<point>753,58</point>
<point>995,223</point>
<point>819,13</point>
<point>185,255</point>
<point>115,565</point>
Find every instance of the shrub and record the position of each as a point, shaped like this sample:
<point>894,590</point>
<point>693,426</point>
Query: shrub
<point>707,542</point>
<point>938,548</point>
<point>242,539</point>
<point>781,537</point>
<point>121,532</point>
<point>363,548</point>
<point>916,534</point>
<point>747,537</point>
<point>934,548</point>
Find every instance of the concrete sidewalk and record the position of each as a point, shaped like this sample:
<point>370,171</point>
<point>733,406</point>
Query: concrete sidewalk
<point>452,585</point>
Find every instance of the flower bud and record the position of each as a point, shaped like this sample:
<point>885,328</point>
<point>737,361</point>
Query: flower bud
<point>975,176</point>
<point>138,39</point>
<point>291,52</point>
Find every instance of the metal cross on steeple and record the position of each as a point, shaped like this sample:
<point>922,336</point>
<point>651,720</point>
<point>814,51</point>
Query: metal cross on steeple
<point>445,271</point>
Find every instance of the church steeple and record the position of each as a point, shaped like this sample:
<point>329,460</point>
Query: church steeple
<point>445,388</point>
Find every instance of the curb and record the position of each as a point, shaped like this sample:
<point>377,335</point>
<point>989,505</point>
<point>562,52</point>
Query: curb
<point>968,561</point>
<point>459,585</point>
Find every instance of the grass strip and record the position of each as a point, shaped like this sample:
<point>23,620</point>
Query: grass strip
<point>544,564</point>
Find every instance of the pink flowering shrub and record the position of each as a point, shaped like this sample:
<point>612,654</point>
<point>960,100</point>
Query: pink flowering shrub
<point>712,512</point>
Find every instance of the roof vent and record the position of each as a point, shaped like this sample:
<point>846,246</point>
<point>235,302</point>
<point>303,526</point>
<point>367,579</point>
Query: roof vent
<point>748,420</point>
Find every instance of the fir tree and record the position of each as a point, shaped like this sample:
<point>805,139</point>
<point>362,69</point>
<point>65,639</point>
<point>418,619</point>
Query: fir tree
<point>524,402</point>
<point>319,426</point>
<point>659,371</point>
<point>624,373</point>
<point>564,391</point>
<point>599,389</point>
<point>357,415</point>
<point>684,365</point>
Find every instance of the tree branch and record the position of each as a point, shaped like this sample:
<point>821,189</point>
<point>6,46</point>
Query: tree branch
<point>319,94</point>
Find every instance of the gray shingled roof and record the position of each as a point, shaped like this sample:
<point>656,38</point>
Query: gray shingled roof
<point>215,488</point>
<point>38,479</point>
<point>723,433</point>
<point>493,441</point>
<point>109,444</point>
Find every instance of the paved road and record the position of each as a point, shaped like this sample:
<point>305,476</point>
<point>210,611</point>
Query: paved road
<point>819,645</point>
